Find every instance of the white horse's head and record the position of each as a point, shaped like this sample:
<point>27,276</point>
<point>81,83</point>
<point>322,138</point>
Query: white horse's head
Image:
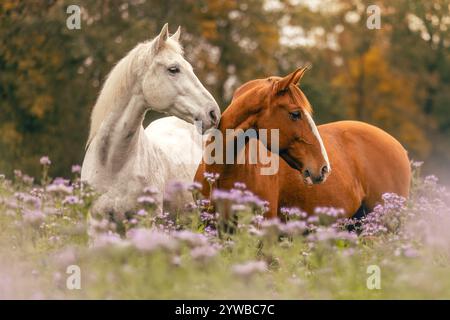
<point>157,72</point>
<point>169,84</point>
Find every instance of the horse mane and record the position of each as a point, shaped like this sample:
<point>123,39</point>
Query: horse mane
<point>118,85</point>
<point>299,97</point>
<point>293,90</point>
<point>245,87</point>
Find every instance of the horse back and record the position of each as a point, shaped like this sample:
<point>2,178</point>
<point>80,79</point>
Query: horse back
<point>379,162</point>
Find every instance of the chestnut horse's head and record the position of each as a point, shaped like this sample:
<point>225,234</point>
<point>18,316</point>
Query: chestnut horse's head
<point>278,103</point>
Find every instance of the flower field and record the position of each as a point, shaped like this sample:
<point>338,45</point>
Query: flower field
<point>191,252</point>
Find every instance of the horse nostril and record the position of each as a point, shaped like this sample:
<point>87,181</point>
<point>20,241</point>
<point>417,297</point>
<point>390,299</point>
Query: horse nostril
<point>306,173</point>
<point>213,116</point>
<point>324,170</point>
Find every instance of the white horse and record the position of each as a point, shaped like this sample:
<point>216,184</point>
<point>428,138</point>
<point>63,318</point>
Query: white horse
<point>122,158</point>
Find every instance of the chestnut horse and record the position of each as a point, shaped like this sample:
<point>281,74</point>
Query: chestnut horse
<point>364,161</point>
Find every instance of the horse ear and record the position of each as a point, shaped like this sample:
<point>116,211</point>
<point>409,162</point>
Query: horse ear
<point>162,37</point>
<point>176,35</point>
<point>301,72</point>
<point>292,78</point>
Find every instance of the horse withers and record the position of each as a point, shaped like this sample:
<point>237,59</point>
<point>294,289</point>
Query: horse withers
<point>344,164</point>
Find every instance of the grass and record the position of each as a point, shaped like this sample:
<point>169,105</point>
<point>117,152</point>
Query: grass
<point>44,229</point>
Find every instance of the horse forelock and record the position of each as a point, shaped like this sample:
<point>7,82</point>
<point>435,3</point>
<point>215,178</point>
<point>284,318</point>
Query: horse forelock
<point>175,45</point>
<point>299,98</point>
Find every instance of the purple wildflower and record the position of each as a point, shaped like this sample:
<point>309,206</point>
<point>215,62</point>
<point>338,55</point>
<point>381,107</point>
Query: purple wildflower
<point>329,211</point>
<point>100,226</point>
<point>313,220</point>
<point>142,213</point>
<point>59,188</point>
<point>203,253</point>
<point>431,180</point>
<point>331,235</point>
<point>151,239</point>
<point>249,269</point>
<point>257,220</point>
<point>45,161</point>
<point>66,257</point>
<point>204,203</point>
<point>152,191</point>
<point>293,213</point>
<point>146,200</point>
<point>190,207</point>
<point>416,164</point>
<point>240,186</point>
<point>410,252</point>
<point>107,239</point>
<point>61,181</point>
<point>271,226</point>
<point>29,199</point>
<point>33,217</point>
<point>76,168</point>
<point>211,177</point>
<point>175,187</point>
<point>328,215</point>
<point>190,238</point>
<point>293,228</point>
<point>253,231</point>
<point>194,187</point>
<point>72,200</point>
<point>238,208</point>
<point>344,223</point>
<point>27,179</point>
<point>18,174</point>
<point>385,217</point>
<point>239,197</point>
<point>207,217</point>
<point>211,232</point>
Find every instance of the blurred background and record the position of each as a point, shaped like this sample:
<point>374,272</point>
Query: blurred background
<point>396,77</point>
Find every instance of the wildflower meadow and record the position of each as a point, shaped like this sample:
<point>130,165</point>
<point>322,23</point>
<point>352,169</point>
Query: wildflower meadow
<point>49,237</point>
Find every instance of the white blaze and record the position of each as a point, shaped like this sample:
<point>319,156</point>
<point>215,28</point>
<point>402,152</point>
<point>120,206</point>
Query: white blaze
<point>319,138</point>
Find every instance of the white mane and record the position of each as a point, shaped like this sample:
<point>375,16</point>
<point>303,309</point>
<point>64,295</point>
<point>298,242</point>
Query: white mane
<point>120,81</point>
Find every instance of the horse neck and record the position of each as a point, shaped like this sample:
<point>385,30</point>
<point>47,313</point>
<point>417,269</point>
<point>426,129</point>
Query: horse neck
<point>116,92</point>
<point>118,115</point>
<point>236,116</point>
<point>119,137</point>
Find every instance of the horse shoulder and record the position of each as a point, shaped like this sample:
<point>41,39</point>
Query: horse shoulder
<point>177,145</point>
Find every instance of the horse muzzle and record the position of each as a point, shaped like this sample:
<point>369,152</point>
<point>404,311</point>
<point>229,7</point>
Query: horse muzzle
<point>309,178</point>
<point>209,120</point>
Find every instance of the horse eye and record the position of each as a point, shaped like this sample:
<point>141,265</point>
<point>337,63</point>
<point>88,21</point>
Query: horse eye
<point>295,115</point>
<point>173,69</point>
